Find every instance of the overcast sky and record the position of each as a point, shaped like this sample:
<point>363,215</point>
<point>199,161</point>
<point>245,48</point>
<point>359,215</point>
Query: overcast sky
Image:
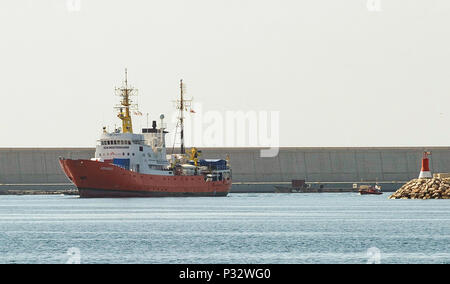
<point>340,72</point>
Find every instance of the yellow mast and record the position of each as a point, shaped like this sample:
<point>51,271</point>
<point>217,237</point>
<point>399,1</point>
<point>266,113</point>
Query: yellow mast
<point>125,103</point>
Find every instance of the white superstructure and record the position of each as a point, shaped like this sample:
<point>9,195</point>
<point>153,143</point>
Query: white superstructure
<point>142,153</point>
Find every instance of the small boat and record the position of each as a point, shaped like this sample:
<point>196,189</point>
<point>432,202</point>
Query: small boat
<point>367,189</point>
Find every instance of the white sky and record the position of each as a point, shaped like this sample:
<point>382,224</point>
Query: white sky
<point>339,74</point>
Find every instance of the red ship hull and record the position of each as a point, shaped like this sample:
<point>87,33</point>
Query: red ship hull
<point>99,179</point>
<point>364,192</point>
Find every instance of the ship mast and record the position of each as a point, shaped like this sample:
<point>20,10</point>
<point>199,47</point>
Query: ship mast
<point>125,92</point>
<point>182,105</point>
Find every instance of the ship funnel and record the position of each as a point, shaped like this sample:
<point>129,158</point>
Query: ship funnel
<point>425,171</point>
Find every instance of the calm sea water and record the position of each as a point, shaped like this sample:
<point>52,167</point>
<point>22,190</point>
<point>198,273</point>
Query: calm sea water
<point>240,228</point>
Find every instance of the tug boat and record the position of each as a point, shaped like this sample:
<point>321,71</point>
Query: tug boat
<point>128,164</point>
<point>367,189</point>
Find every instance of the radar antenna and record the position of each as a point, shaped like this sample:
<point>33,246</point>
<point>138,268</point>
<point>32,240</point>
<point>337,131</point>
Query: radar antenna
<point>126,104</point>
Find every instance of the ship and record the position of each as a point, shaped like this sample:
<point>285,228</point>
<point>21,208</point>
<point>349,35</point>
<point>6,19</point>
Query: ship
<point>128,164</point>
<point>367,189</point>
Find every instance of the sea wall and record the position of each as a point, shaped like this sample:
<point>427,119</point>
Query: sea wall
<point>384,164</point>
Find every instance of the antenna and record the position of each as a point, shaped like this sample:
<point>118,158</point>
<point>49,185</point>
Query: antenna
<point>161,129</point>
<point>182,104</point>
<point>181,117</point>
<point>125,92</point>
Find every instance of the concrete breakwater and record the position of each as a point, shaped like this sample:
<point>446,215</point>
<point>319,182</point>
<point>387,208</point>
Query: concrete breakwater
<point>329,166</point>
<point>434,188</point>
<point>38,189</point>
<point>39,192</point>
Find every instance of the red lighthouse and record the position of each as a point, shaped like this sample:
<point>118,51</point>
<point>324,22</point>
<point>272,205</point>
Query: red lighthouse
<point>425,171</point>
